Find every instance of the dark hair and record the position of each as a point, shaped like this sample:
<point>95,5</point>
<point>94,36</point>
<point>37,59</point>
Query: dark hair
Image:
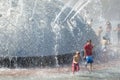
<point>89,40</point>
<point>77,52</point>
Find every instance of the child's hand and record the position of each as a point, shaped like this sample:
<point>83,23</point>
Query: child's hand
<point>84,57</point>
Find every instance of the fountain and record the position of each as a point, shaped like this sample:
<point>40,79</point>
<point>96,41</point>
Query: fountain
<point>41,33</point>
<point>37,37</point>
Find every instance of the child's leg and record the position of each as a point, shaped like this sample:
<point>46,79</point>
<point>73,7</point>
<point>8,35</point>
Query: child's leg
<point>73,67</point>
<point>77,67</point>
<point>90,66</point>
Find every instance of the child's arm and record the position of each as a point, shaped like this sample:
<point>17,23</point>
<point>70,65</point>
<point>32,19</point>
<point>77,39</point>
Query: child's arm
<point>84,57</point>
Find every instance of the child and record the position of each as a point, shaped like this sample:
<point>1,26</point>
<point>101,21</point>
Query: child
<point>75,63</point>
<point>88,52</point>
<point>104,44</point>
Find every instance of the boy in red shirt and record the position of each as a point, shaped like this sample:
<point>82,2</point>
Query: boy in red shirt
<point>88,47</point>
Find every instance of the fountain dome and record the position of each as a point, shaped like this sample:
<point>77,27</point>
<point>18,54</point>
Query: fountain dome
<point>37,28</point>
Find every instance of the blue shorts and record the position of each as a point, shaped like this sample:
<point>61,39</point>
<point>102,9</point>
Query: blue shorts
<point>89,59</point>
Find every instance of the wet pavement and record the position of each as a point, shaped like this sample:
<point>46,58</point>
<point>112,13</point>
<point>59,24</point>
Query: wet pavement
<point>108,70</point>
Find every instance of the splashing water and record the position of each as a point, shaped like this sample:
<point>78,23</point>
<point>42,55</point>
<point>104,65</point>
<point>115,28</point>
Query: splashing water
<point>82,6</point>
<point>63,8</point>
<point>33,10</point>
<point>56,30</point>
<point>34,39</point>
<point>73,8</point>
<point>37,32</point>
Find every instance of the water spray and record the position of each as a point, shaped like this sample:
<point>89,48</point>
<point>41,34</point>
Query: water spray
<point>74,7</point>
<point>33,11</point>
<point>61,12</point>
<point>82,6</point>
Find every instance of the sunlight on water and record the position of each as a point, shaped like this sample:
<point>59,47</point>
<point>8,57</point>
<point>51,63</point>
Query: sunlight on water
<point>48,74</point>
<point>50,27</point>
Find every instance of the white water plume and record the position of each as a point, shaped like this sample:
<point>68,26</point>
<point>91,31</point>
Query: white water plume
<point>21,37</point>
<point>33,11</point>
<point>82,6</point>
<point>74,8</point>
<point>57,16</point>
<point>56,30</point>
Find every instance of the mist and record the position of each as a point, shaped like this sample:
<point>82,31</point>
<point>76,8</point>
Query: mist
<point>110,8</point>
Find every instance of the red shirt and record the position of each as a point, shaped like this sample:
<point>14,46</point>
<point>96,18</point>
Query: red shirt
<point>88,48</point>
